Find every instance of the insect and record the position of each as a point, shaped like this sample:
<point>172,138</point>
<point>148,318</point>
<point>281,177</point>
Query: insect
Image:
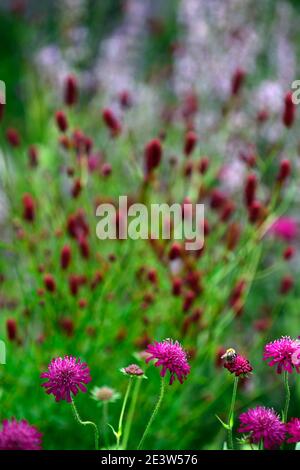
<point>229,355</point>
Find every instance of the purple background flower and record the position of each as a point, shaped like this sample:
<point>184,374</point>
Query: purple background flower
<point>19,435</point>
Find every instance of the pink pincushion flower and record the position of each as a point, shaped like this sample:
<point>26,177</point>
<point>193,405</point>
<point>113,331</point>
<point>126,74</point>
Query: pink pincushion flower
<point>19,435</point>
<point>293,428</point>
<point>171,356</point>
<point>282,354</point>
<point>239,366</point>
<point>263,424</point>
<point>285,228</point>
<point>94,161</point>
<point>65,376</point>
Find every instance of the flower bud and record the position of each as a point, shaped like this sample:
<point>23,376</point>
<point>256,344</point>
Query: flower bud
<point>289,253</point>
<point>106,169</point>
<point>76,188</point>
<point>289,111</point>
<point>84,247</point>
<point>70,90</point>
<point>2,109</point>
<point>233,235</point>
<point>217,199</point>
<point>111,122</point>
<point>284,170</point>
<point>74,284</point>
<point>33,156</point>
<point>203,165</point>
<point>152,155</point>
<point>61,121</point>
<point>287,283</point>
<point>67,325</point>
<point>125,99</point>
<point>13,137</point>
<point>237,81</point>
<point>190,142</point>
<point>65,256</point>
<point>255,211</point>
<point>188,300</point>
<point>28,207</point>
<point>250,189</point>
<point>49,283</point>
<point>11,328</point>
<point>176,286</point>
<point>175,251</point>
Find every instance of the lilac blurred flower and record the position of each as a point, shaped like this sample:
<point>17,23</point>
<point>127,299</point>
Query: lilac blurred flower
<point>232,175</point>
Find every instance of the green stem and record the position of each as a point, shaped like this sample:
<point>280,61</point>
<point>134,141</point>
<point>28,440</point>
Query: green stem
<point>155,411</point>
<point>131,412</point>
<point>231,414</point>
<point>86,423</point>
<point>287,395</point>
<point>105,421</point>
<point>120,426</point>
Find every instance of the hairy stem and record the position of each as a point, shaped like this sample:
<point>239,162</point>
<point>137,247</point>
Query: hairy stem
<point>131,412</point>
<point>155,411</point>
<point>86,423</point>
<point>231,414</point>
<point>105,421</point>
<point>287,395</point>
<point>120,426</point>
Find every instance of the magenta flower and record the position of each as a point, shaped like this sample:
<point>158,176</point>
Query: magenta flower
<point>171,356</point>
<point>19,435</point>
<point>263,424</point>
<point>293,428</point>
<point>285,228</point>
<point>283,354</point>
<point>65,376</point>
<point>239,366</point>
